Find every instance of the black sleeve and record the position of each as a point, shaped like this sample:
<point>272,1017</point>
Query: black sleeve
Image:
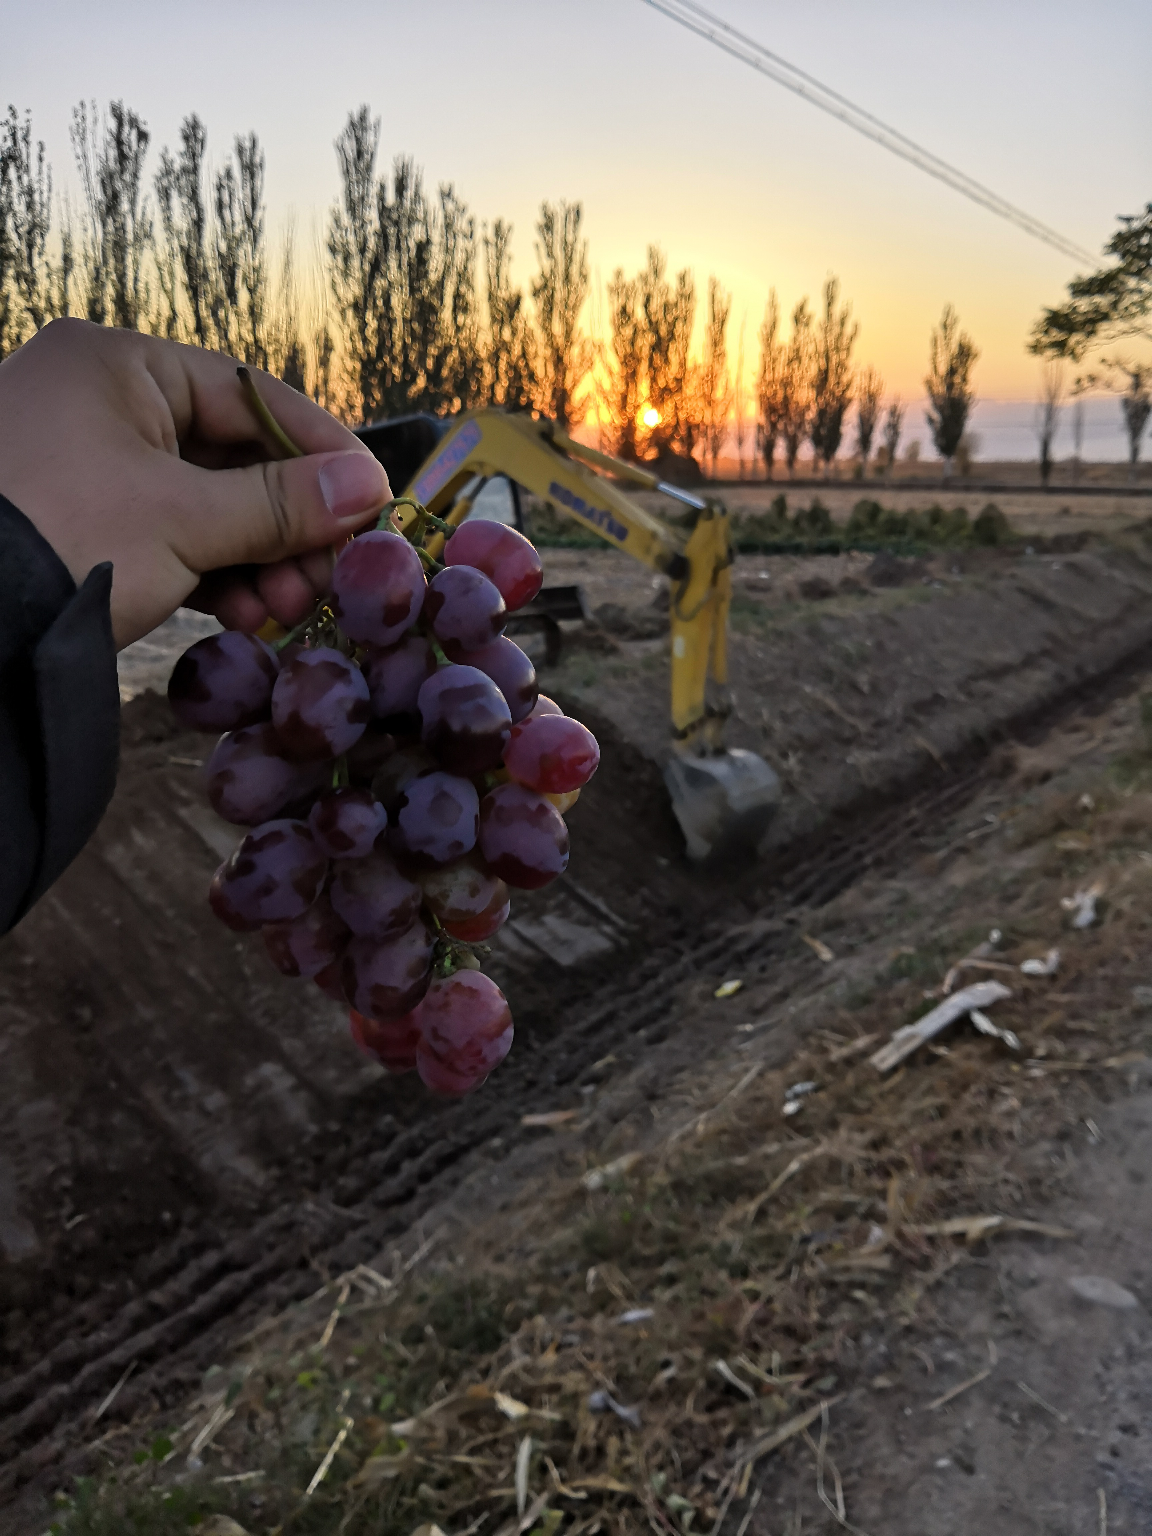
<point>59,712</point>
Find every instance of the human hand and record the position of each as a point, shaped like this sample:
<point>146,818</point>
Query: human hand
<point>129,448</point>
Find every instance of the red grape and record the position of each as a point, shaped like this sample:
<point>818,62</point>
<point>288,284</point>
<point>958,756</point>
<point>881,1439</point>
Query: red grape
<point>392,1044</point>
<point>505,556</point>
<point>378,588</point>
<point>464,607</point>
<point>383,981</point>
<point>320,704</point>
<point>305,945</point>
<point>438,818</point>
<point>552,754</point>
<point>373,897</point>
<point>222,682</point>
<point>462,893</point>
<point>466,1030</point>
<point>544,706</point>
<point>347,822</point>
<point>276,873</point>
<point>395,676</point>
<point>476,929</point>
<point>220,899</point>
<point>466,720</point>
<point>249,779</point>
<point>523,839</point>
<point>509,668</point>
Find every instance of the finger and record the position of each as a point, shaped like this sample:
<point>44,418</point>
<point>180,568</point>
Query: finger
<point>317,568</point>
<point>208,400</point>
<point>286,592</point>
<point>270,511</point>
<point>232,598</point>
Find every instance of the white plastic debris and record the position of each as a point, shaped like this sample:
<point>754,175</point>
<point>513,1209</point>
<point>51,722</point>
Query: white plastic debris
<point>1082,905</point>
<point>908,1039</point>
<point>986,1027</point>
<point>1048,966</point>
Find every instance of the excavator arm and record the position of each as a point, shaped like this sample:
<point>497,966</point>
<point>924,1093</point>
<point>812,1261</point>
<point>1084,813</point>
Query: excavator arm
<point>721,797</point>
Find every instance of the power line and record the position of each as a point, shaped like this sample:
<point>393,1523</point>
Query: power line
<point>696,19</point>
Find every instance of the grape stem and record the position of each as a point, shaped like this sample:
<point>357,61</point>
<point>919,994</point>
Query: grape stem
<point>301,629</point>
<point>340,772</point>
<point>265,416</point>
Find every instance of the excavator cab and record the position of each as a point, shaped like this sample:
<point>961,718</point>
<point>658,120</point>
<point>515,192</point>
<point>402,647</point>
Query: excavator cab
<point>475,465</point>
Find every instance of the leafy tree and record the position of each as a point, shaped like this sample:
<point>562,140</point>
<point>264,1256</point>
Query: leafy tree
<point>1109,306</point>
<point>715,381</point>
<point>740,403</point>
<point>183,261</point>
<point>33,289</point>
<point>797,385</point>
<point>770,384</point>
<point>951,356</point>
<point>559,292</point>
<point>110,156</point>
<point>869,394</point>
<point>509,374</point>
<point>832,375</point>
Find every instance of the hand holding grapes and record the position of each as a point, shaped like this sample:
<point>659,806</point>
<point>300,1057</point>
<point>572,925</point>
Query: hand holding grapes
<point>145,453</point>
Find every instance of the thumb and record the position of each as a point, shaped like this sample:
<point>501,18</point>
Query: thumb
<point>274,510</point>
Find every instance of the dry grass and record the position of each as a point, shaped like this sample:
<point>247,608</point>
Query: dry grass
<point>625,1347</point>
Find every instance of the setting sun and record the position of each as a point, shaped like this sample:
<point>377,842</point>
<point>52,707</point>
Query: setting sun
<point>650,416</point>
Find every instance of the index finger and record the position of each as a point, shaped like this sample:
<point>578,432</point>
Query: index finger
<point>206,398</point>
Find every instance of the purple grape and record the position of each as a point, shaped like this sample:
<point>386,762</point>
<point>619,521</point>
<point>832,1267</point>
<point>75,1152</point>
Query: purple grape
<point>305,945</point>
<point>275,874</point>
<point>395,676</point>
<point>320,705</point>
<point>466,721</point>
<point>373,897</point>
<point>347,822</point>
<point>465,608</point>
<point>378,588</point>
<point>249,779</point>
<point>394,776</point>
<point>509,668</point>
<point>223,682</point>
<point>383,981</point>
<point>222,902</point>
<point>369,754</point>
<point>522,837</point>
<point>438,819</point>
<point>328,980</point>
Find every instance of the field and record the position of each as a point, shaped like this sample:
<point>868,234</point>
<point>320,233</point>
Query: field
<point>621,1287</point>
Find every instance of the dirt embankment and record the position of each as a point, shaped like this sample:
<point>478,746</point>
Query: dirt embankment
<point>690,1294</point>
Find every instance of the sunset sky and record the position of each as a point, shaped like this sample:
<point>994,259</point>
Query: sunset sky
<point>665,139</point>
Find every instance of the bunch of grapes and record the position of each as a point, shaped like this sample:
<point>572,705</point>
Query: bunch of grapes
<point>399,773</point>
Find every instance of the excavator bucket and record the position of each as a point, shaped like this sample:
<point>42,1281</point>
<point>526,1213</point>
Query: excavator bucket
<point>723,803</point>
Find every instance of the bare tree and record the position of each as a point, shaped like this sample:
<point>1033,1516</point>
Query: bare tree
<point>832,376</point>
<point>951,356</point>
<point>110,155</point>
<point>32,288</point>
<point>183,261</point>
<point>1048,412</point>
<point>798,381</point>
<point>559,292</point>
<point>715,381</point>
<point>1136,404</point>
<point>869,394</point>
<point>770,385</point>
<point>509,375</point>
<point>625,364</point>
<point>667,313</point>
<point>402,273</point>
<point>1077,430</point>
<point>739,403</point>
<point>893,425</point>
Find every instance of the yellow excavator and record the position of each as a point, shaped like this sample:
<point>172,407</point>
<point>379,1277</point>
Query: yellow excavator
<point>723,797</point>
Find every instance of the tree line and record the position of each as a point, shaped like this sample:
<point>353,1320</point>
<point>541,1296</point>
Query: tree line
<point>419,310</point>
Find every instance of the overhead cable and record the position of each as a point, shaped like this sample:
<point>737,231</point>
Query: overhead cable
<point>724,36</point>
